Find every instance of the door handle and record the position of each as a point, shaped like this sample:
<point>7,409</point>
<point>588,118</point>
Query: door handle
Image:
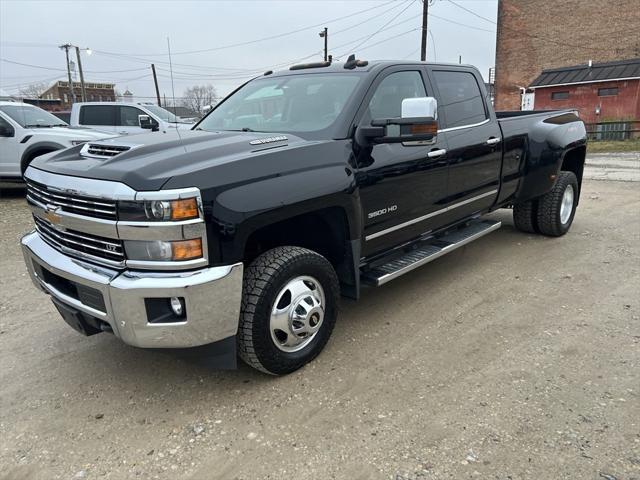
<point>436,153</point>
<point>493,141</point>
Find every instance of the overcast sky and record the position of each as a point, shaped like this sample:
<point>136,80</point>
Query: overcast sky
<point>127,36</point>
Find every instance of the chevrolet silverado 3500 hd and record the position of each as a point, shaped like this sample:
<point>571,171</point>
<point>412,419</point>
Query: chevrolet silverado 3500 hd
<point>239,236</point>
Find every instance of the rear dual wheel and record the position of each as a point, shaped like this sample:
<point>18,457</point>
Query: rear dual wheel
<point>551,214</point>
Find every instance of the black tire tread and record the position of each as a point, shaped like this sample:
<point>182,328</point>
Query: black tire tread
<point>549,206</point>
<point>524,216</point>
<point>258,278</point>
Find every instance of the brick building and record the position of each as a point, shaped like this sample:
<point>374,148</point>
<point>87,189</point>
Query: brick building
<point>536,35</point>
<point>96,92</point>
<point>601,92</point>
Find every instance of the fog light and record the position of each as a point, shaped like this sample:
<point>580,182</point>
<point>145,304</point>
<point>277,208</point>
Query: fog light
<point>177,305</point>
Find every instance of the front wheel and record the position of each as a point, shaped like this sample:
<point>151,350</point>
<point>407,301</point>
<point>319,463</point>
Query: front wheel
<point>557,208</point>
<point>289,307</point>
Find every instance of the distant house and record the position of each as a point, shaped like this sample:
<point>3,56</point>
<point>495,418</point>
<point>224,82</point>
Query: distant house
<point>601,92</point>
<point>96,92</point>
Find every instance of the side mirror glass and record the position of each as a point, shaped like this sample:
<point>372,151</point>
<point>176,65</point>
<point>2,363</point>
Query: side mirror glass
<point>145,121</point>
<point>417,125</point>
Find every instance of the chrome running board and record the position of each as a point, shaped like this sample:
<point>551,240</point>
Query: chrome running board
<point>427,251</point>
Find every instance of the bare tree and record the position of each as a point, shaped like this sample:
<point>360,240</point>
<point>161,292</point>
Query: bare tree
<point>34,90</point>
<point>198,97</point>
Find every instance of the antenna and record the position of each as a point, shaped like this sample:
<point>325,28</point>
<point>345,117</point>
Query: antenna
<point>173,93</point>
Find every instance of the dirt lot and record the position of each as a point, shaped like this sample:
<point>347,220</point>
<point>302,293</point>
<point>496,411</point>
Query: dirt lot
<point>517,357</point>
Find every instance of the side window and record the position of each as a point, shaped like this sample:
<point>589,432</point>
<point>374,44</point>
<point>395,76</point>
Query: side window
<point>387,99</point>
<point>98,115</point>
<point>6,126</point>
<point>129,117</point>
<point>460,98</point>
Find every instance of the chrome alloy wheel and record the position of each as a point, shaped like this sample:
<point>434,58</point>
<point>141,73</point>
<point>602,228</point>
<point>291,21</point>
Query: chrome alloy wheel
<point>566,207</point>
<point>297,314</point>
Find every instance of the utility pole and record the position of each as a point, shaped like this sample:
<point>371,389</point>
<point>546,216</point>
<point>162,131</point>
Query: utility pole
<point>325,34</point>
<point>66,48</point>
<point>155,81</point>
<point>82,89</point>
<point>425,17</point>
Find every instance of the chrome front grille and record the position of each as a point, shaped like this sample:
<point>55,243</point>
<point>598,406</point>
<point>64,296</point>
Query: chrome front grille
<point>109,251</point>
<point>72,203</point>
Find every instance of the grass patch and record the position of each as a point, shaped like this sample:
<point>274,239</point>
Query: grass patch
<point>614,146</point>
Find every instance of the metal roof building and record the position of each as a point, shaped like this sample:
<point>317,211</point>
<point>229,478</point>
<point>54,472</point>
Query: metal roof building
<point>596,72</point>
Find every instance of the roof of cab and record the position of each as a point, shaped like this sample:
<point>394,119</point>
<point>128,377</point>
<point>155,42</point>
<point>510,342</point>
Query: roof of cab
<point>371,66</point>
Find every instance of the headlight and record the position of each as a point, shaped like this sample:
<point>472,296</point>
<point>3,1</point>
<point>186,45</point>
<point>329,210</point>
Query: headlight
<point>78,142</point>
<point>161,251</point>
<point>158,210</point>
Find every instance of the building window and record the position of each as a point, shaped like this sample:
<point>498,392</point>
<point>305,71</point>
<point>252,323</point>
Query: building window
<point>608,92</point>
<point>66,99</point>
<point>560,95</point>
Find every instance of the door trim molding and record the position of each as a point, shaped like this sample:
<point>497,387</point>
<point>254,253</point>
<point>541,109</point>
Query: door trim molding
<point>451,129</point>
<point>429,215</point>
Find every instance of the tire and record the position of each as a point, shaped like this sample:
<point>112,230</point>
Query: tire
<point>525,216</point>
<point>276,282</point>
<point>553,219</point>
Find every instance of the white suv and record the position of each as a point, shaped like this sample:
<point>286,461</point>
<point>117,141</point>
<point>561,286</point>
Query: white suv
<point>125,118</point>
<point>27,132</point>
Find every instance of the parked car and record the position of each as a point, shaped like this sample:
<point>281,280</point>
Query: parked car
<point>240,235</point>
<point>27,131</point>
<point>125,118</point>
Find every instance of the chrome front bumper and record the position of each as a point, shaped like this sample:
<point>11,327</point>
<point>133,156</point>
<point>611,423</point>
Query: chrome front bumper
<point>212,297</point>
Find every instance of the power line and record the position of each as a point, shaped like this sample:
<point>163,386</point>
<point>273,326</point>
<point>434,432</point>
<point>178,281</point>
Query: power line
<point>385,25</point>
<point>249,42</point>
<point>64,70</point>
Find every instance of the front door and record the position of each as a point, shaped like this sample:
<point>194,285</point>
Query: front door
<point>473,138</point>
<point>401,185</point>
<point>9,150</point>
<point>127,122</point>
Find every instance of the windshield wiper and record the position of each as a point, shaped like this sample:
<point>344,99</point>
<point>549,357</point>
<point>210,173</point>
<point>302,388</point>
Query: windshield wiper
<point>37,125</point>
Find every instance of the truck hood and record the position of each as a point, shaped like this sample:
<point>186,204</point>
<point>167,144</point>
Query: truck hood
<point>71,133</point>
<point>148,161</point>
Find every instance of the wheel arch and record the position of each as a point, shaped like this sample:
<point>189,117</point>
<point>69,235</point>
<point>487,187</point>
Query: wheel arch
<point>36,150</point>
<point>326,231</point>
<point>573,161</point>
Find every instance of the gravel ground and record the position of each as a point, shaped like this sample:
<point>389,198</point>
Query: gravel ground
<point>516,357</point>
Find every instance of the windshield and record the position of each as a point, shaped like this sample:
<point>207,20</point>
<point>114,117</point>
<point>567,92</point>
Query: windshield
<point>163,114</point>
<point>297,103</point>
<point>28,116</point>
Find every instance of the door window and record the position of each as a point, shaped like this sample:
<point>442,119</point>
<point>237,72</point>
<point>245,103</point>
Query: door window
<point>460,98</point>
<point>129,116</point>
<point>98,115</point>
<point>387,99</point>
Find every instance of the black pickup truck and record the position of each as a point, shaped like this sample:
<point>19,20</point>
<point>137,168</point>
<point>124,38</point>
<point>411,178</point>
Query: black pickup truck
<point>239,236</point>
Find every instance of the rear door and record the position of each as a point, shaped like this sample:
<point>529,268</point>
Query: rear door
<point>401,185</point>
<point>473,137</point>
<point>99,117</point>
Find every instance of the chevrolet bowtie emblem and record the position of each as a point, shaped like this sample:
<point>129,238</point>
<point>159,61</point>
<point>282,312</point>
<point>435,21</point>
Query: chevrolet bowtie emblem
<point>51,215</point>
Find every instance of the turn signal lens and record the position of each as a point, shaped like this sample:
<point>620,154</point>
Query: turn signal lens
<point>424,129</point>
<point>184,209</point>
<point>187,249</point>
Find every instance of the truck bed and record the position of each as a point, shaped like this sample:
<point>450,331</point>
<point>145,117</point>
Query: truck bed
<point>506,114</point>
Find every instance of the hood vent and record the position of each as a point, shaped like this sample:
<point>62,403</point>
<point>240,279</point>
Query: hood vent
<point>98,150</point>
